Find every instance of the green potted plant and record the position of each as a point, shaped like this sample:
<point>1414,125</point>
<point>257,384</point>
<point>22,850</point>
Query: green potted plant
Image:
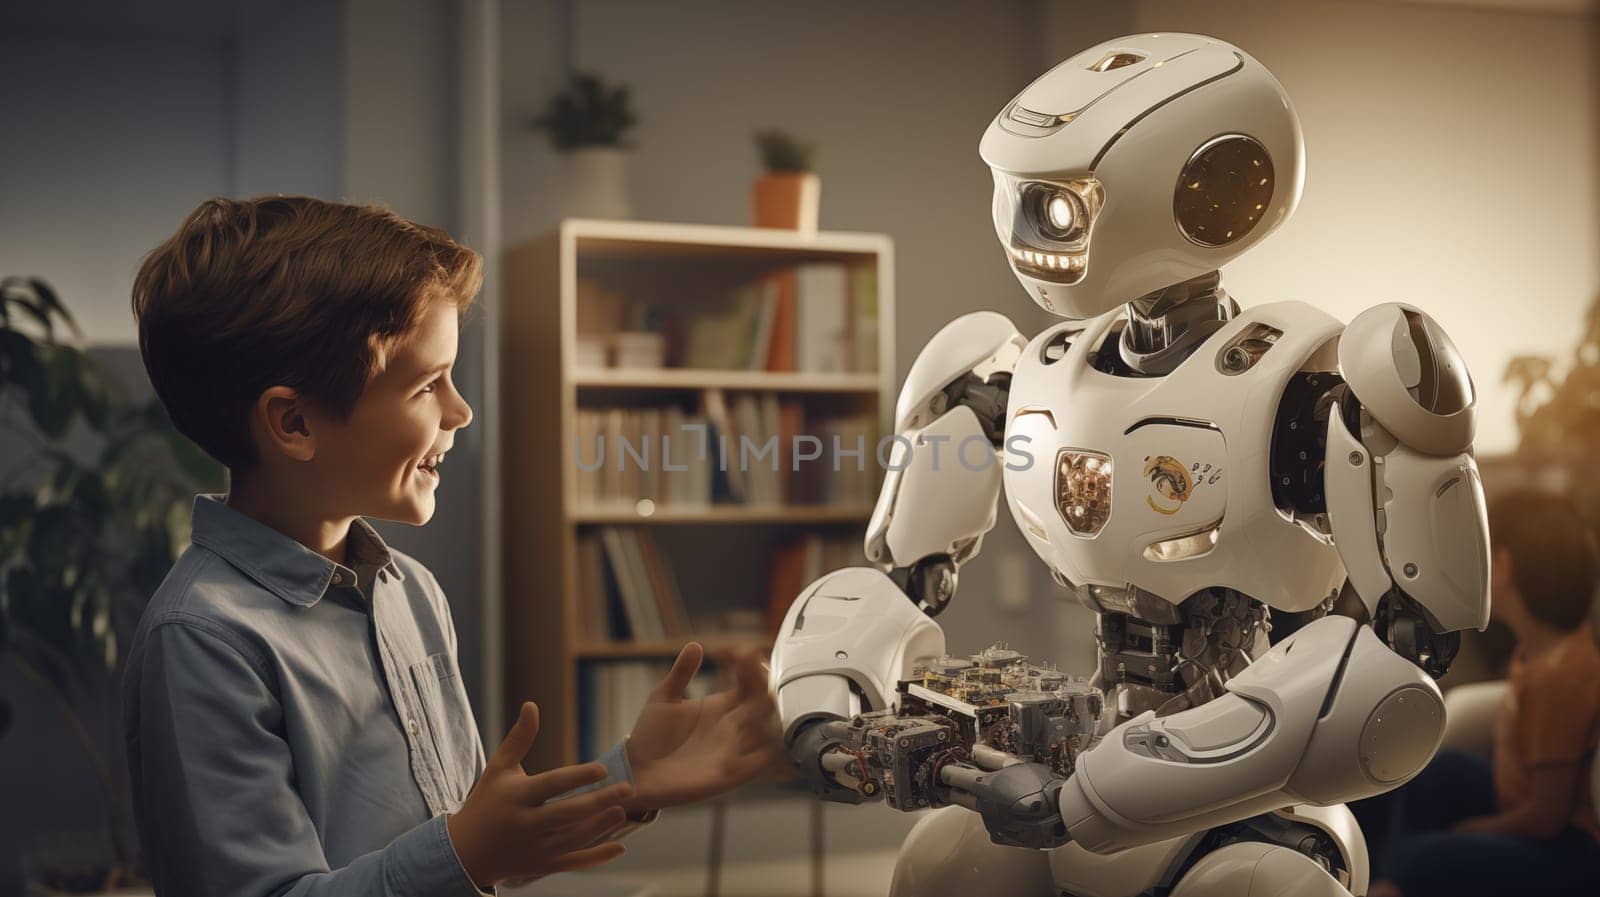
<point>788,194</point>
<point>587,123</point>
<point>92,514</point>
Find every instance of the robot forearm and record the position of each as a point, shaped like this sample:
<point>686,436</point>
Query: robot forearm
<point>834,772</point>
<point>915,763</point>
<point>1345,718</point>
<point>1020,802</point>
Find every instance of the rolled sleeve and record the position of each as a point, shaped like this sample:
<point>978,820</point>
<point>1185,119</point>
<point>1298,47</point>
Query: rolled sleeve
<point>617,770</point>
<point>215,795</point>
<point>426,862</point>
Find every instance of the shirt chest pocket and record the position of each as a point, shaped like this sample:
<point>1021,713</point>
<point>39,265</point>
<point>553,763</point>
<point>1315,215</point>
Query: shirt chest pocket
<point>450,729</point>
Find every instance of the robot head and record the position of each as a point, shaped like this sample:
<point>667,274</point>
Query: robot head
<point>1137,164</point>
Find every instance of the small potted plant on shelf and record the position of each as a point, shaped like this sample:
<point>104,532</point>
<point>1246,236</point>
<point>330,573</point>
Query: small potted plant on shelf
<point>587,122</point>
<point>787,195</point>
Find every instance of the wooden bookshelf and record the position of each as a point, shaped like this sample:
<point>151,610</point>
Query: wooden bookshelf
<point>545,387</point>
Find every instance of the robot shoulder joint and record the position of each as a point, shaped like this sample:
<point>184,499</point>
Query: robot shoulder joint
<point>1408,375</point>
<point>982,344</point>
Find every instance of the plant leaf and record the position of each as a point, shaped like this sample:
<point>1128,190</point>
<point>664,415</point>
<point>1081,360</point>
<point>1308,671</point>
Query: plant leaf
<point>52,304</point>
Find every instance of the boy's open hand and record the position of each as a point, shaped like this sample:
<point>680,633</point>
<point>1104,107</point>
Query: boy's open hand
<point>508,828</point>
<point>682,751</point>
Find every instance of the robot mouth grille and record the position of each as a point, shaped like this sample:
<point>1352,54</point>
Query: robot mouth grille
<point>1059,267</point>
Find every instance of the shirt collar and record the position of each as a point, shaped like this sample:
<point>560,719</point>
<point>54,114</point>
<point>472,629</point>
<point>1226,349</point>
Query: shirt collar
<point>278,563</point>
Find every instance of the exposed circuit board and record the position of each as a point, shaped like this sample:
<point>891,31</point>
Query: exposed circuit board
<point>988,709</point>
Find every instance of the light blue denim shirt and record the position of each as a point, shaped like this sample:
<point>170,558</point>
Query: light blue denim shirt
<point>297,726</point>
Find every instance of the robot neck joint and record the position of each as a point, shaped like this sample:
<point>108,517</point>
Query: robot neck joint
<point>1165,325</point>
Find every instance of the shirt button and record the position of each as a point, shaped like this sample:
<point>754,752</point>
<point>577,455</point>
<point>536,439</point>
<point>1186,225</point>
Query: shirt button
<point>411,724</point>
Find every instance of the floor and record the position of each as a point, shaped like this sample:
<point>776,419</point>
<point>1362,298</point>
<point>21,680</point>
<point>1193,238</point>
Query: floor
<point>862,874</point>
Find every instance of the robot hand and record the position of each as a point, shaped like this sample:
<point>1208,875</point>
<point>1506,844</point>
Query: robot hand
<point>1020,803</point>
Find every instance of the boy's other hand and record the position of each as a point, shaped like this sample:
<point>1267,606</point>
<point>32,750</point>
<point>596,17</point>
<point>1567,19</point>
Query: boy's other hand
<point>509,828</point>
<point>682,751</point>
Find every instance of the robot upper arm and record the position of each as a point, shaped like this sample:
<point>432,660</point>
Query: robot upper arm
<point>1405,502</point>
<point>937,499</point>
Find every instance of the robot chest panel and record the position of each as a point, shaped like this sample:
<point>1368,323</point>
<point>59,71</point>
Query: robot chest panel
<point>1157,482</point>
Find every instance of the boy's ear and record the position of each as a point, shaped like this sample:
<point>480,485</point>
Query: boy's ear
<point>282,417</point>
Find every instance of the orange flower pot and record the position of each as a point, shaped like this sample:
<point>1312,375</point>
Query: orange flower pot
<point>786,200</point>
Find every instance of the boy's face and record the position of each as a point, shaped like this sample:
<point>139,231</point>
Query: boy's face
<point>379,462</point>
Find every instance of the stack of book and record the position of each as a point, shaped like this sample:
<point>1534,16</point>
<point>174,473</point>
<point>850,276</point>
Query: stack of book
<point>742,448</point>
<point>820,317</point>
<point>626,588</point>
<point>626,454</point>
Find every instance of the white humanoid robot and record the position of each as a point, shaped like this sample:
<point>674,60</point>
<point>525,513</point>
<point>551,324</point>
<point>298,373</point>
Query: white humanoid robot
<point>1195,467</point>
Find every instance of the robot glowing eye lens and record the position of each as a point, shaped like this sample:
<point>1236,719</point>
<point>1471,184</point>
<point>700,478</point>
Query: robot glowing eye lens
<point>1059,211</point>
<point>1058,214</point>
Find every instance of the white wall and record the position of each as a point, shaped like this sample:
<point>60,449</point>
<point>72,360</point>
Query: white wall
<point>1451,163</point>
<point>287,109</point>
<point>109,141</point>
<point>399,104</point>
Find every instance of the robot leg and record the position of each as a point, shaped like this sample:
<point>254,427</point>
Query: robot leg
<point>1255,869</point>
<point>949,852</point>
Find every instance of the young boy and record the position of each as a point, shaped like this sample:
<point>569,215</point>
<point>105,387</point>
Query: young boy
<point>1526,825</point>
<point>295,715</point>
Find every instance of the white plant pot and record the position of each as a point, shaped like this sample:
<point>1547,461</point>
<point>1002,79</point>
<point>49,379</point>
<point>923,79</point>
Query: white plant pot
<point>597,183</point>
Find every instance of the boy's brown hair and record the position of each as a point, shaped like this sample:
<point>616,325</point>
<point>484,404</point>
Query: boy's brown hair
<point>284,290</point>
<point>1553,557</point>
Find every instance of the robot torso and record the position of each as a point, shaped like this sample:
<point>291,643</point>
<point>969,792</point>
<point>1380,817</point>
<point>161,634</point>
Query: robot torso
<point>1145,490</point>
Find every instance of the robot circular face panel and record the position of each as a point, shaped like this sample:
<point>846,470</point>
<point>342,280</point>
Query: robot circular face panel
<point>1224,190</point>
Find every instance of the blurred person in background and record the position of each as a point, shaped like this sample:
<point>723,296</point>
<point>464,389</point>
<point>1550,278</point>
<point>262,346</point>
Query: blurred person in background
<point>1522,821</point>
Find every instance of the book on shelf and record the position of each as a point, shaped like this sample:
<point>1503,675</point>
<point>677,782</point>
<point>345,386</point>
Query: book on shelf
<point>818,317</point>
<point>864,308</point>
<point>611,693</point>
<point>743,448</point>
<point>800,562</point>
<point>782,346</point>
<point>626,588</point>
<point>722,336</point>
<point>823,330</point>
